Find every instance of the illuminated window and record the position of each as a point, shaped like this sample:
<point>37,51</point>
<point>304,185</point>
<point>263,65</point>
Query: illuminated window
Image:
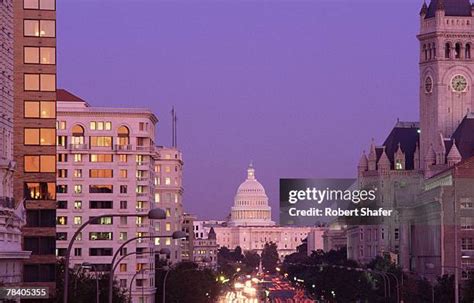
<point>62,125</point>
<point>41,109</point>
<point>78,189</point>
<point>157,197</point>
<point>176,198</point>
<point>167,169</point>
<point>123,236</point>
<point>40,82</point>
<point>101,158</point>
<point>168,226</point>
<point>139,221</point>
<point>168,212</point>
<point>40,163</point>
<point>61,220</point>
<point>398,165</point>
<point>140,205</point>
<point>123,158</point>
<point>39,55</point>
<point>101,189</point>
<point>62,173</point>
<point>40,136</point>
<point>77,157</point>
<point>100,173</point>
<point>77,204</point>
<point>157,241</point>
<point>101,141</point>
<point>108,125</point>
<point>39,4</point>
<point>123,173</point>
<point>78,173</point>
<point>123,267</point>
<point>39,28</point>
<point>62,158</point>
<point>167,181</point>
<point>168,241</point>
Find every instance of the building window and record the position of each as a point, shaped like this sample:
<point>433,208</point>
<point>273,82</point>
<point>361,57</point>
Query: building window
<point>168,226</point>
<point>77,157</point>
<point>78,173</point>
<point>40,4</point>
<point>62,158</point>
<point>123,204</point>
<point>61,204</point>
<point>77,220</point>
<point>61,220</point>
<point>96,236</point>
<point>157,198</point>
<point>77,204</point>
<point>39,55</point>
<point>397,234</point>
<point>123,189</point>
<point>62,141</point>
<point>123,267</point>
<point>41,110</point>
<point>101,173</point>
<point>78,189</point>
<point>467,223</point>
<point>101,141</point>
<point>123,173</point>
<point>100,204</point>
<point>123,158</point>
<point>39,28</point>
<point>123,136</point>
<point>61,236</point>
<point>43,163</point>
<point>62,173</point>
<point>100,158</point>
<point>61,189</point>
<point>467,243</point>
<point>101,189</point>
<point>123,236</point>
<point>40,136</point>
<point>40,82</point>
<point>77,252</point>
<point>61,125</point>
<point>103,221</point>
<point>168,181</point>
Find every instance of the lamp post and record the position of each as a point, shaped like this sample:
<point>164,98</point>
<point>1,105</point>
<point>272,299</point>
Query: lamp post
<point>87,265</point>
<point>156,214</point>
<point>163,251</point>
<point>113,266</point>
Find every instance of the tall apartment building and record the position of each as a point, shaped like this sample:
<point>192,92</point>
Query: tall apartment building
<point>106,165</point>
<point>169,196</point>
<point>11,253</point>
<point>34,137</point>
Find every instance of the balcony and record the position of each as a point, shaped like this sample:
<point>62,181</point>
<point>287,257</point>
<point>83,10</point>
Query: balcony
<point>126,147</point>
<point>78,147</point>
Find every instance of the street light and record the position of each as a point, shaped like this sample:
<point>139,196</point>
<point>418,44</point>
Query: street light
<point>175,235</point>
<point>87,265</point>
<point>163,251</point>
<point>154,214</point>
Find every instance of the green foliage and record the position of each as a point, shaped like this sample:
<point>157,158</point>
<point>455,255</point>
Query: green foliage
<point>270,257</point>
<point>187,283</point>
<point>82,286</point>
<point>251,261</point>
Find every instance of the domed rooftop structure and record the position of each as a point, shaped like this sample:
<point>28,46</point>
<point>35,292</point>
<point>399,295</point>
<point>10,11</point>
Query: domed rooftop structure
<point>251,203</point>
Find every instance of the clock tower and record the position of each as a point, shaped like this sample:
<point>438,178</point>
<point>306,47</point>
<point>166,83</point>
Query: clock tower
<point>446,74</point>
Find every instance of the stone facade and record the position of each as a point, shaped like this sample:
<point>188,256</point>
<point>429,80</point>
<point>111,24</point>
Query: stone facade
<point>106,165</point>
<point>11,219</point>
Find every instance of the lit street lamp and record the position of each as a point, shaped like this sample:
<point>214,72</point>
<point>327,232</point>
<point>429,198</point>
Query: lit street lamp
<point>154,214</point>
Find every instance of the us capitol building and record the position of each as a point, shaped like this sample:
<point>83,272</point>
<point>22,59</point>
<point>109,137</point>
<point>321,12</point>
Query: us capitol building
<point>250,225</point>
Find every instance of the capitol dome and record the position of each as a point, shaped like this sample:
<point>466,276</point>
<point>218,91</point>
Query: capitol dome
<point>251,203</point>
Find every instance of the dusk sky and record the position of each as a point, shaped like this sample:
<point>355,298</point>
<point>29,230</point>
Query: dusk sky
<point>297,87</point>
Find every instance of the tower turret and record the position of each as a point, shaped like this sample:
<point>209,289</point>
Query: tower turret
<point>454,156</point>
<point>399,158</point>
<point>372,159</point>
<point>363,163</point>
<point>384,162</point>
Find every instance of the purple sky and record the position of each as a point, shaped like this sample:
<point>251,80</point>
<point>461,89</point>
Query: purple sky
<point>298,87</point>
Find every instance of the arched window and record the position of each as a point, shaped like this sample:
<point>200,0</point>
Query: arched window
<point>447,51</point>
<point>458,50</point>
<point>123,135</point>
<point>468,51</point>
<point>77,135</point>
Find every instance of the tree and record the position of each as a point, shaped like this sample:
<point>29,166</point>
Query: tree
<point>237,255</point>
<point>270,257</point>
<point>82,286</point>
<point>468,290</point>
<point>187,283</point>
<point>444,289</point>
<point>251,260</point>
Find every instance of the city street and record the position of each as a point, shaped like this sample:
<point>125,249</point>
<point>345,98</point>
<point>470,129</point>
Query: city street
<point>264,288</point>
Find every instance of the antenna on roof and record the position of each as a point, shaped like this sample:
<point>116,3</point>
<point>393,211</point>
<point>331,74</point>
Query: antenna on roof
<point>174,132</point>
